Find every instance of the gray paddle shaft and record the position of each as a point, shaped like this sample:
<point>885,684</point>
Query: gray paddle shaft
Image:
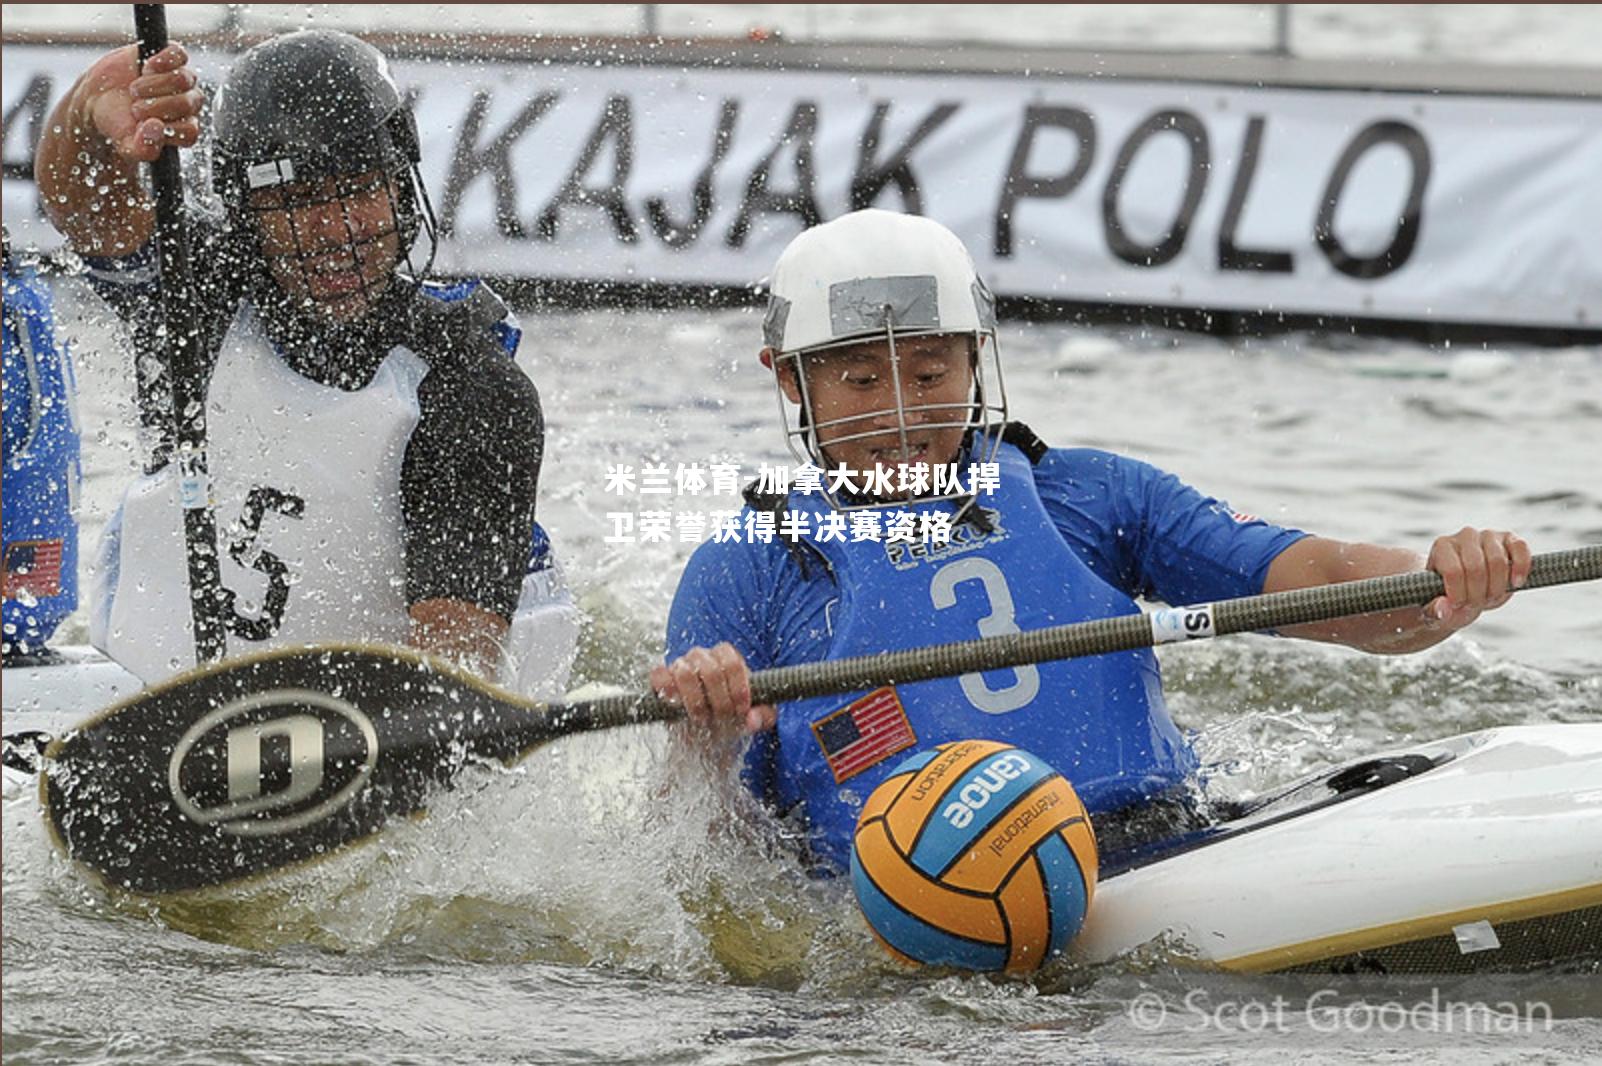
<point>1098,637</point>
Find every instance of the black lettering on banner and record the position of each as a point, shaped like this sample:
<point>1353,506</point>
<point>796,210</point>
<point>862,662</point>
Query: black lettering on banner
<point>241,544</point>
<point>469,161</point>
<point>1232,256</point>
<point>1022,185</point>
<point>799,136</point>
<point>871,177</point>
<point>616,128</point>
<point>1172,243</point>
<point>35,104</point>
<point>1408,224</point>
<point>681,235</point>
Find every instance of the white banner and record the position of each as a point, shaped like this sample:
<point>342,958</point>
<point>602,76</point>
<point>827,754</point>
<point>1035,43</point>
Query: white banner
<point>1411,206</point>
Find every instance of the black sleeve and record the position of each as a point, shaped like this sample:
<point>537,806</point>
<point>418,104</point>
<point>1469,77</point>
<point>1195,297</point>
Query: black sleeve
<point>468,483</point>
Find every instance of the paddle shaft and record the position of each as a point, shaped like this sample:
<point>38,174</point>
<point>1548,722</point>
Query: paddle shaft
<point>181,333</point>
<point>1098,637</point>
<point>360,735</point>
<point>543,723</point>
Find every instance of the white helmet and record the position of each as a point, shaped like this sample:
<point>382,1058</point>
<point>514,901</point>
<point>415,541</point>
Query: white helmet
<point>872,275</point>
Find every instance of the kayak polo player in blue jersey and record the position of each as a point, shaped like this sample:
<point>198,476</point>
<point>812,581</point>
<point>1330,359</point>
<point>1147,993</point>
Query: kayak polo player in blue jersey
<point>42,471</point>
<point>882,341</point>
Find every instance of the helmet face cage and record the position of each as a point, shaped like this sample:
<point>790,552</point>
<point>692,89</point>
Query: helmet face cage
<point>408,213</point>
<point>982,415</point>
<point>310,119</point>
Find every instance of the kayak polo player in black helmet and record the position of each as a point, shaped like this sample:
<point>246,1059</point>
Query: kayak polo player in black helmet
<point>315,119</point>
<point>374,449</point>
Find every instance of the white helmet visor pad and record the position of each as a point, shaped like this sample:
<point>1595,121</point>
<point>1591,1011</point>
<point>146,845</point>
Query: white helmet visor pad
<point>862,307</point>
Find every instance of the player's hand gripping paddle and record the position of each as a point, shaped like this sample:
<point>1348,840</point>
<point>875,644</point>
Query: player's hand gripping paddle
<point>254,764</point>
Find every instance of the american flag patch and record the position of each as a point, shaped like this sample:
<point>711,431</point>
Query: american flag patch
<point>32,567</point>
<point>860,734</point>
<point>1242,517</point>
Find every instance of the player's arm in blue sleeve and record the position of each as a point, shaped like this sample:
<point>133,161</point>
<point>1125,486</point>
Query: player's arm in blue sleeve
<point>720,599</point>
<point>1148,533</point>
<point>1195,549</point>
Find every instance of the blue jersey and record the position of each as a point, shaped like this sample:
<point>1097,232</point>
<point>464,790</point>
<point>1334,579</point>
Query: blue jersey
<point>1090,532</point>
<point>41,469</point>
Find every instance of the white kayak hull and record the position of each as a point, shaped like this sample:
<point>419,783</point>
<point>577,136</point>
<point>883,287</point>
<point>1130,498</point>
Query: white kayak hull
<point>53,698</point>
<point>1488,856</point>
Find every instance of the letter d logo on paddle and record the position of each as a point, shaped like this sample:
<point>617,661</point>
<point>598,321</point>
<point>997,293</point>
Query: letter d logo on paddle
<point>272,762</point>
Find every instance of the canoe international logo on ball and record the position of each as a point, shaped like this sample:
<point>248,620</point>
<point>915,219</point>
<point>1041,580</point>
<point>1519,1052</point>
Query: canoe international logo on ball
<point>1338,1011</point>
<point>253,770</point>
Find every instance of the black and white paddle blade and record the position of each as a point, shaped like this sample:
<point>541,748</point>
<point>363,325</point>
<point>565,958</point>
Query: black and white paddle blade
<point>261,763</point>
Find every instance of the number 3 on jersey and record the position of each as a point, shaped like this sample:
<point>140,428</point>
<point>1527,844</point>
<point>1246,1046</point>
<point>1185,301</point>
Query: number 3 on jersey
<point>1001,619</point>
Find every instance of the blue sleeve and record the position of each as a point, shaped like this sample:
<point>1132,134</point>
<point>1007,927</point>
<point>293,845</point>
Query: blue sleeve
<point>1151,535</point>
<point>42,468</point>
<point>484,307</point>
<point>755,597</point>
<point>127,283</point>
<point>40,389</point>
<point>18,408</point>
<point>717,601</point>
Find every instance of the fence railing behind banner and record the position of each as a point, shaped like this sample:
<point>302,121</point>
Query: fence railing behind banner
<point>1501,34</point>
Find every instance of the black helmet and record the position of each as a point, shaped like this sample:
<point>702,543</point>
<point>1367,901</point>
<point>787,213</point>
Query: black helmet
<point>311,105</point>
<point>308,105</point>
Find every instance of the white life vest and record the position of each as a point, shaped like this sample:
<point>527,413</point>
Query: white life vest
<point>306,485</point>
